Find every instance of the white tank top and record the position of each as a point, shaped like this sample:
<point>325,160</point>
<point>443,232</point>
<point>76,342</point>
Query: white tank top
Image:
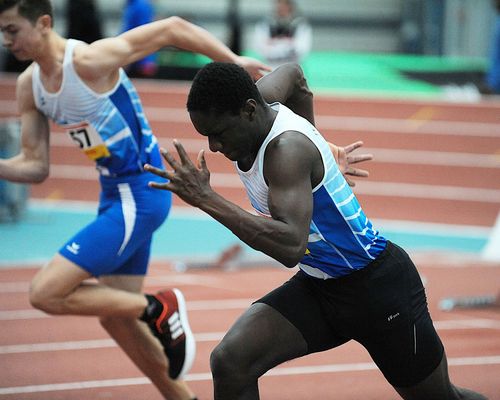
<point>341,237</point>
<point>110,127</point>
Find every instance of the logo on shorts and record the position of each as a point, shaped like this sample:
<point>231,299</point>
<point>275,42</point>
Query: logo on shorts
<point>391,317</point>
<point>73,248</point>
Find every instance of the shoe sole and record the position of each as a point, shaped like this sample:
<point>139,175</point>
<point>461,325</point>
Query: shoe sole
<point>190,342</point>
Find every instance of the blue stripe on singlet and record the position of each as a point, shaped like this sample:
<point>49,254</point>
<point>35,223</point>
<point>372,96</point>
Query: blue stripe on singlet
<point>122,101</point>
<point>329,221</point>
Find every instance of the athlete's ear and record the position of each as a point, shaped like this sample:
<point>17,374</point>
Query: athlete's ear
<point>248,110</point>
<point>44,23</point>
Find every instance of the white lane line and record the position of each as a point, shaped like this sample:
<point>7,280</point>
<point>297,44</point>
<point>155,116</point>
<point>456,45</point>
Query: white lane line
<point>14,287</point>
<point>361,124</point>
<point>339,123</point>
<point>374,188</point>
<point>381,155</point>
<point>407,126</point>
<point>204,305</point>
<point>88,344</point>
<point>279,371</point>
<point>440,158</point>
<point>437,192</point>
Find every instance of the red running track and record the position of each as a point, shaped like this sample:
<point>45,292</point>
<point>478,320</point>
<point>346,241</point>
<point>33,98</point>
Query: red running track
<point>434,162</point>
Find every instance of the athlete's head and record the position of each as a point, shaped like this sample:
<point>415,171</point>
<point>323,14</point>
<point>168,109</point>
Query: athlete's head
<point>24,23</point>
<point>223,104</point>
<point>221,87</point>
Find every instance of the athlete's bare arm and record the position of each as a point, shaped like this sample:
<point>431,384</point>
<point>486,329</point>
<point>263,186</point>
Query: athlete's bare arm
<point>104,57</point>
<point>282,237</point>
<point>31,165</point>
<point>288,85</point>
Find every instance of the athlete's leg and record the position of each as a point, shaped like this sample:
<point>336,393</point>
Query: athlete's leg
<point>135,338</point>
<point>437,386</point>
<point>59,288</point>
<point>259,340</point>
<point>399,319</point>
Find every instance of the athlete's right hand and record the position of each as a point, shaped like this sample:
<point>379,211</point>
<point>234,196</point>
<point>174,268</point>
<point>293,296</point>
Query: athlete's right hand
<point>255,68</point>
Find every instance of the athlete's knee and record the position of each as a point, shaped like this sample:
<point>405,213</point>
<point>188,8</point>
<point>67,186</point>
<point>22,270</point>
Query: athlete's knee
<point>44,297</point>
<point>226,361</point>
<point>43,300</point>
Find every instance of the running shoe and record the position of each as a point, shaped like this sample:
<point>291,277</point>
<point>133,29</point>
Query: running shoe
<point>173,331</point>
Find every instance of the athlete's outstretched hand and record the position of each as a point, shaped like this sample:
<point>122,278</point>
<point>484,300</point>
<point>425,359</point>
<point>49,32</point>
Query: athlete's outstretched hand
<point>255,68</point>
<point>189,181</point>
<point>345,160</point>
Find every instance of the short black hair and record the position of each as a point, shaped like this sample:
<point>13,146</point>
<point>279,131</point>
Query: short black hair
<point>222,87</point>
<point>29,9</point>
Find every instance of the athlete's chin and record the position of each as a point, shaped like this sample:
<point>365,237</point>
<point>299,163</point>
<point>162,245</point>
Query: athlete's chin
<point>230,156</point>
<point>20,56</point>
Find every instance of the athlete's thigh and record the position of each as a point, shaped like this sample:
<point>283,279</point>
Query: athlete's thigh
<point>58,278</point>
<point>262,338</point>
<point>287,323</point>
<point>301,302</point>
<point>107,243</point>
<point>398,318</point>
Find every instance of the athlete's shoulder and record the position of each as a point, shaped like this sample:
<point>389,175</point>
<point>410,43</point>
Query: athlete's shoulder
<point>85,60</point>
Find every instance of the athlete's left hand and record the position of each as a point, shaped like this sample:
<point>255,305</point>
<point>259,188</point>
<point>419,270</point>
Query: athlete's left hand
<point>345,161</point>
<point>189,181</point>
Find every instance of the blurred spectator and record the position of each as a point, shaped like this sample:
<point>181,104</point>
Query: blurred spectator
<point>136,13</point>
<point>493,75</point>
<point>285,37</point>
<point>234,23</point>
<point>83,21</point>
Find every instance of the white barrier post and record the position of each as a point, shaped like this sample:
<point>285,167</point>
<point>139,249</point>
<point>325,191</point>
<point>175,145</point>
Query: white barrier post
<point>491,251</point>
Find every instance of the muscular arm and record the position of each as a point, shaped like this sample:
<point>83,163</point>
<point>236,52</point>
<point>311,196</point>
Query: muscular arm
<point>31,165</point>
<point>105,56</point>
<point>287,85</point>
<point>282,237</point>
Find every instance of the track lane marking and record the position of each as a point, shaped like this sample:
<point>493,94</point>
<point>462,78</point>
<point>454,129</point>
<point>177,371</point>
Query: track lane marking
<point>207,376</point>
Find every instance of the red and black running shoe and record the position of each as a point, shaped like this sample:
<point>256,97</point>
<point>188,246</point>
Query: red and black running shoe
<point>172,329</point>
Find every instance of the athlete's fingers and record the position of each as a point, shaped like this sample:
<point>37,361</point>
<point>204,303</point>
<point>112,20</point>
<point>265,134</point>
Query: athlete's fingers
<point>353,146</point>
<point>201,162</point>
<point>359,158</point>
<point>158,185</point>
<point>169,158</point>
<point>182,153</point>
<point>156,171</point>
<point>357,172</point>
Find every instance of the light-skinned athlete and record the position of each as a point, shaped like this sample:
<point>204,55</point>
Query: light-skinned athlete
<point>84,89</point>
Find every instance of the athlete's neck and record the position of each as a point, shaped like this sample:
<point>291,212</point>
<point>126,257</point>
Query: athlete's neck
<point>51,55</point>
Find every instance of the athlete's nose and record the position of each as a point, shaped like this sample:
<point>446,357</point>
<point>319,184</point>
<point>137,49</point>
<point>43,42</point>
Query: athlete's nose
<point>7,43</point>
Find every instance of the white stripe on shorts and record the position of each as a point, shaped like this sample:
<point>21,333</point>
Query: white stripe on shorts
<point>129,213</point>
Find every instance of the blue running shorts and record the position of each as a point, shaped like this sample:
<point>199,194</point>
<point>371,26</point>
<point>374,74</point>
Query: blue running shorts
<point>118,241</point>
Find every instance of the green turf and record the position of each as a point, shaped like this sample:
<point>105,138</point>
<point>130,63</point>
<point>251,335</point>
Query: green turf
<point>344,72</point>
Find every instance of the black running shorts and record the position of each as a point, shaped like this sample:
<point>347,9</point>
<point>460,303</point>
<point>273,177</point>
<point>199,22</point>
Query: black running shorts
<point>383,307</point>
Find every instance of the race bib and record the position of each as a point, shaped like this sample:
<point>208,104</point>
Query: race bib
<point>86,137</point>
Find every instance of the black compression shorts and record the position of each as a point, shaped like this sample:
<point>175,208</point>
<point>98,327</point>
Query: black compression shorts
<point>383,307</point>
